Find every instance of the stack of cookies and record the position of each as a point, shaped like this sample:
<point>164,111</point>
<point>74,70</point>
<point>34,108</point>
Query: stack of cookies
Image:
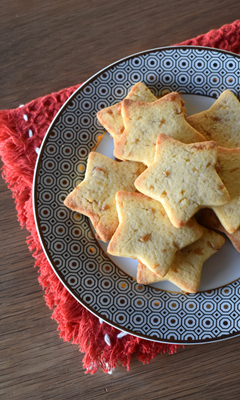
<point>171,167</point>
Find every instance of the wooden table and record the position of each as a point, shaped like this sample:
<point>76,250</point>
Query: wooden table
<point>46,46</point>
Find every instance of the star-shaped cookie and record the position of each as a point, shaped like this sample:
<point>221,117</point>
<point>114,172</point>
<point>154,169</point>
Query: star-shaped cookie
<point>95,195</point>
<point>111,117</point>
<point>186,268</point>
<point>229,172</point>
<point>146,233</point>
<point>183,178</point>
<point>144,121</point>
<point>221,122</point>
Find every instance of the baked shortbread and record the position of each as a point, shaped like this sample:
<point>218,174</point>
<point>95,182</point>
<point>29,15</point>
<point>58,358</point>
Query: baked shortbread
<point>208,218</point>
<point>183,178</point>
<point>221,122</point>
<point>95,195</point>
<point>111,117</point>
<point>146,233</point>
<point>186,268</point>
<point>229,172</point>
<point>144,121</point>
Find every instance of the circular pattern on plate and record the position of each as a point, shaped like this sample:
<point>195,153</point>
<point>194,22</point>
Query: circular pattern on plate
<point>66,236</point>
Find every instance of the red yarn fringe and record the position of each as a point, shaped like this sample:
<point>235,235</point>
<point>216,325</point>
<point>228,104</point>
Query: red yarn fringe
<point>17,149</point>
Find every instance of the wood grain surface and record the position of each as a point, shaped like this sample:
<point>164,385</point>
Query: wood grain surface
<point>44,47</point>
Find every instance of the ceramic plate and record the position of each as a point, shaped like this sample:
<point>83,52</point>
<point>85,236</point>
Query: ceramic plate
<point>105,285</point>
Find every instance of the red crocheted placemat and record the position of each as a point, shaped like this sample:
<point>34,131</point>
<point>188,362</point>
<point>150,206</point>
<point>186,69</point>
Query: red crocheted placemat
<point>21,134</point>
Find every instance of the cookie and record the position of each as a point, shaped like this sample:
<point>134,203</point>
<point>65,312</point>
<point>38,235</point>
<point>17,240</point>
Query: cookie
<point>209,219</point>
<point>146,233</point>
<point>144,121</point>
<point>229,172</point>
<point>111,117</point>
<point>221,122</point>
<point>186,268</point>
<point>95,195</point>
<point>183,178</point>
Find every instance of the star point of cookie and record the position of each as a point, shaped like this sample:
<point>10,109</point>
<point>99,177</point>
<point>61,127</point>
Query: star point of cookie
<point>111,117</point>
<point>183,178</point>
<point>145,121</point>
<point>95,195</point>
<point>221,122</point>
<point>208,218</point>
<point>186,268</point>
<point>146,233</point>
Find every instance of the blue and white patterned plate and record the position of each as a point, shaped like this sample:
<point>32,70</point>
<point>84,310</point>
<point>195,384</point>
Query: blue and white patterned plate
<point>105,285</point>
